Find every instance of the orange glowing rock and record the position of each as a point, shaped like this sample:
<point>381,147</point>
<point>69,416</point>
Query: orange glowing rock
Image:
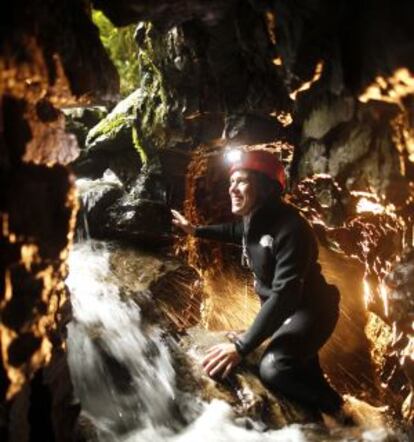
<point>307,85</point>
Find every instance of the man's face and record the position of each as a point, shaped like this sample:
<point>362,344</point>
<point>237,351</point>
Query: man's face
<point>243,192</point>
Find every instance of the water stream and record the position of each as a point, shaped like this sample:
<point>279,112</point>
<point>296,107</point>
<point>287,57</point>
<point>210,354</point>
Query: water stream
<point>123,371</point>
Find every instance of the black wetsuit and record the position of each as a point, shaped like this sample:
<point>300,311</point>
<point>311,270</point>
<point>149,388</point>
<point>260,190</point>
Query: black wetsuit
<point>299,309</point>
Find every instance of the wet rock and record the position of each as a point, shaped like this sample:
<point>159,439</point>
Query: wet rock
<point>113,133</point>
<point>242,389</point>
<point>80,120</point>
<point>124,201</point>
<point>145,222</point>
<point>125,165</point>
<point>400,294</point>
<point>110,144</point>
<point>131,210</point>
<point>151,278</point>
<point>191,81</point>
<point>97,196</point>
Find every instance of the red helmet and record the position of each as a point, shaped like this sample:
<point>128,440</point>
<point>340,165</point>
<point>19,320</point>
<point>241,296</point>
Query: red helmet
<point>259,161</point>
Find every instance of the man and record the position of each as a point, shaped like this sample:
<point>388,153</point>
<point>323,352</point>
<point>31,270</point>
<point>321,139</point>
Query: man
<point>299,310</point>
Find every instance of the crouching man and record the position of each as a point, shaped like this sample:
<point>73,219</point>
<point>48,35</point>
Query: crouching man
<point>299,309</point>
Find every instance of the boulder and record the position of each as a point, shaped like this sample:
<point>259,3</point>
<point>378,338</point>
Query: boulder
<point>142,213</point>
<point>111,143</point>
<point>134,212</point>
<point>114,132</point>
<point>250,400</point>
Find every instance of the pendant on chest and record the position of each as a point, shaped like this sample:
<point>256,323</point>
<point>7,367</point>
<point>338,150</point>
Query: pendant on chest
<point>259,256</point>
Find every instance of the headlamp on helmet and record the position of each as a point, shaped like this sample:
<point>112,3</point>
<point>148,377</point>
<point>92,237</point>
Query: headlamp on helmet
<point>261,161</point>
<point>233,156</point>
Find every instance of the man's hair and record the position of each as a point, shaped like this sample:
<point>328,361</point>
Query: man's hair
<point>266,186</point>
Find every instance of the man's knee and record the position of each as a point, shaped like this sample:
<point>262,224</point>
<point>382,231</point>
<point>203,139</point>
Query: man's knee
<point>270,369</point>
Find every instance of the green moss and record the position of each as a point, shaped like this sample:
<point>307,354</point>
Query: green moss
<point>114,131</point>
<point>107,129</point>
<point>121,46</point>
<point>109,126</point>
<point>137,144</point>
<point>150,113</point>
<point>154,109</point>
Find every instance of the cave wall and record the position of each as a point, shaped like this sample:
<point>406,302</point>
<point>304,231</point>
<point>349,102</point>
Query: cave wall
<point>50,57</point>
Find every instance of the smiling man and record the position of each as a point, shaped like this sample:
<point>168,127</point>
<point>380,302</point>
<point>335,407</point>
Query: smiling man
<point>299,309</point>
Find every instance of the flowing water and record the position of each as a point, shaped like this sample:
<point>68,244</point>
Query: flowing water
<point>123,371</point>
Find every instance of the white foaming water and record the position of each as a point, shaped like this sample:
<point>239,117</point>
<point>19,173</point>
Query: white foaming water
<point>217,423</point>
<point>123,374</point>
<point>85,185</point>
<point>90,192</point>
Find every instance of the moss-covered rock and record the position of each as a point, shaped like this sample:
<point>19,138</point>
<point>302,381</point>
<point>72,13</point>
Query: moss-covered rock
<point>113,133</point>
<point>143,120</point>
<point>160,119</point>
<point>111,143</point>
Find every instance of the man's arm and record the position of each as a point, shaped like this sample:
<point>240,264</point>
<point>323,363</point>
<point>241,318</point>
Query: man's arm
<point>231,232</point>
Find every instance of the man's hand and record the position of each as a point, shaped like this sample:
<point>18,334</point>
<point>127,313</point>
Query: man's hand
<point>182,222</point>
<point>221,359</point>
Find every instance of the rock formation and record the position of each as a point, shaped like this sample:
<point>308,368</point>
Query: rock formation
<point>45,65</point>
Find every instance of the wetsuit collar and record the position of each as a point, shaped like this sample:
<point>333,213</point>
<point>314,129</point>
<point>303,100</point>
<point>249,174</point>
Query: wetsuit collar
<point>259,217</point>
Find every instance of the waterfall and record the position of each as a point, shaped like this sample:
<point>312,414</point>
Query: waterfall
<point>121,367</point>
<point>91,195</point>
